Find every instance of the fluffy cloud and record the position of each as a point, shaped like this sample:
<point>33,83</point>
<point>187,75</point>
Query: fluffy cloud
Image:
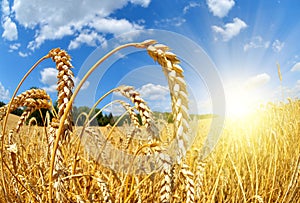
<point>257,81</point>
<point>48,77</point>
<point>154,92</point>
<point>10,28</point>
<point>114,26</point>
<point>256,42</point>
<point>230,29</point>
<point>4,93</point>
<point>277,46</point>
<point>56,19</point>
<point>220,8</point>
<point>296,67</point>
<point>89,38</point>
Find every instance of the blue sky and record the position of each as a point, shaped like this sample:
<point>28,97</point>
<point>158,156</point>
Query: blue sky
<point>243,39</point>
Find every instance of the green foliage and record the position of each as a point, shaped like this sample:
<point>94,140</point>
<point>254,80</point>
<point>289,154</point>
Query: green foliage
<point>100,120</point>
<point>2,103</point>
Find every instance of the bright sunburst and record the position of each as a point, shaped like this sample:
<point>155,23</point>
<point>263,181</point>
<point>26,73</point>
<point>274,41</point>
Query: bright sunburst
<point>241,101</point>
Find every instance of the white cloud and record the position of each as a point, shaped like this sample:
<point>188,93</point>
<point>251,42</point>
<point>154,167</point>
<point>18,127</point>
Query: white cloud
<point>230,29</point>
<point>56,19</point>
<point>220,8</point>
<point>143,3</point>
<point>22,54</point>
<point>176,21</point>
<point>10,28</point>
<point>189,6</point>
<point>5,8</point>
<point>114,26</point>
<point>48,77</point>
<point>257,81</point>
<point>4,93</point>
<point>14,47</point>
<point>296,67</point>
<point>89,38</point>
<point>256,42</point>
<point>154,92</point>
<point>277,46</point>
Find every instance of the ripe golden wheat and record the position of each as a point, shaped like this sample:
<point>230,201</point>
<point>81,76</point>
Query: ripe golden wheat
<point>60,162</point>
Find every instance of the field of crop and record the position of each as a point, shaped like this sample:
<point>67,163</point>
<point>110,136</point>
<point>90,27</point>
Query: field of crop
<point>257,158</point>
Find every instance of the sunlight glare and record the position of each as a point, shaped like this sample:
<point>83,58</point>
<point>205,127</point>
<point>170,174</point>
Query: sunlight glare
<point>240,102</point>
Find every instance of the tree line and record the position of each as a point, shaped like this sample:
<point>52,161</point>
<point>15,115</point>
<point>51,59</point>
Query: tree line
<point>101,119</point>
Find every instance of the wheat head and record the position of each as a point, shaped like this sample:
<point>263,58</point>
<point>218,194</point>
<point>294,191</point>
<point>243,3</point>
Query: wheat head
<point>178,93</point>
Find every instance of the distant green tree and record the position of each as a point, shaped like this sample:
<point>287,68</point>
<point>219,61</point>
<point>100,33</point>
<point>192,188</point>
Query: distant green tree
<point>17,112</point>
<point>2,103</point>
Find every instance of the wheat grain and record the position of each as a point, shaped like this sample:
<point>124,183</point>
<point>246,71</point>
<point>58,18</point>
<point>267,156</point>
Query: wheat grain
<point>165,183</point>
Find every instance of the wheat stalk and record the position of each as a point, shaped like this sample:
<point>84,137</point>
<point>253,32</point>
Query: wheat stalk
<point>165,184</point>
<point>199,176</point>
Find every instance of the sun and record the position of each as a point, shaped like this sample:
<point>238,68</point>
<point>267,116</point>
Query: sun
<point>241,102</point>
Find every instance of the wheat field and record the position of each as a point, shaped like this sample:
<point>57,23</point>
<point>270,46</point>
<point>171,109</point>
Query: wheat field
<point>257,158</point>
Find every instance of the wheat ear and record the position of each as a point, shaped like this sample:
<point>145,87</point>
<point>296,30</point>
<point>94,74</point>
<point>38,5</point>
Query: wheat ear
<point>142,108</point>
<point>65,85</point>
<point>31,106</point>
<point>133,116</point>
<point>166,182</point>
<point>19,100</point>
<point>104,190</point>
<point>199,177</point>
<point>188,180</point>
<point>178,92</point>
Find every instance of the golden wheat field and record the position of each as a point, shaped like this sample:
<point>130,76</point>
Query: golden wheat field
<point>256,159</point>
